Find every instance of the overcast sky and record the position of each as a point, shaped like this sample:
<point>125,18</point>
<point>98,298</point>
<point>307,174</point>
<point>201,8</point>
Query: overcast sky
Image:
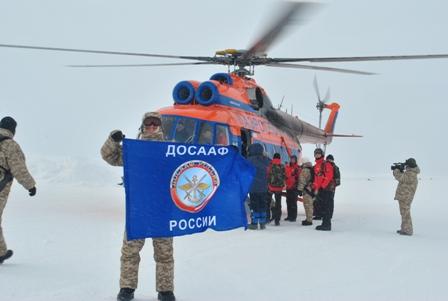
<point>62,111</point>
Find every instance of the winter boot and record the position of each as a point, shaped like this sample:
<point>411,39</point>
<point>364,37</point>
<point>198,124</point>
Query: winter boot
<point>125,294</point>
<point>166,296</point>
<point>402,233</point>
<point>7,255</point>
<point>253,226</point>
<point>323,228</point>
<point>262,226</point>
<point>306,223</point>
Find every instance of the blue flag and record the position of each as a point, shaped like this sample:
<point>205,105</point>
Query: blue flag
<point>174,189</point>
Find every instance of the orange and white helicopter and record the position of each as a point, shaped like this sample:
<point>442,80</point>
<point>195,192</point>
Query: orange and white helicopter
<point>231,108</point>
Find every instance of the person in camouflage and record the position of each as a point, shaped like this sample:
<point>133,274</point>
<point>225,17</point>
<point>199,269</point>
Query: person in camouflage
<point>407,185</point>
<point>304,188</point>
<point>12,162</point>
<point>151,129</point>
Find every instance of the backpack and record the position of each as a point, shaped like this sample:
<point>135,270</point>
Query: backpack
<point>8,176</point>
<point>297,172</point>
<point>336,174</point>
<point>312,174</point>
<point>277,175</point>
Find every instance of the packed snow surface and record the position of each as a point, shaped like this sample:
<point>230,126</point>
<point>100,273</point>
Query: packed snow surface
<point>67,242</point>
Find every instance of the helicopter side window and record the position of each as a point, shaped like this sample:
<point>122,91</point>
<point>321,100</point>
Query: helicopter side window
<point>265,151</point>
<point>167,123</point>
<point>205,133</point>
<point>222,135</point>
<point>274,150</point>
<point>256,97</point>
<point>184,130</point>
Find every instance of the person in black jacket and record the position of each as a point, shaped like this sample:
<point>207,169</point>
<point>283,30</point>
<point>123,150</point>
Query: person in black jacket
<point>259,187</point>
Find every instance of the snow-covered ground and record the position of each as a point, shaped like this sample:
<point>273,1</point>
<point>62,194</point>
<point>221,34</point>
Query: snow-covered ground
<point>67,241</point>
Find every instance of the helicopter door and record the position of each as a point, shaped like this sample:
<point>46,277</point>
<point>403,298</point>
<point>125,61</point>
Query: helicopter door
<point>245,142</point>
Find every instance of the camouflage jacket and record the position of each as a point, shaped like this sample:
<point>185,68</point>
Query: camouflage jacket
<point>407,183</point>
<point>12,158</point>
<point>305,179</point>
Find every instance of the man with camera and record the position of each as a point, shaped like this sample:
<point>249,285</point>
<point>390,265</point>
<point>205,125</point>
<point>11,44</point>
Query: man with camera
<point>406,175</point>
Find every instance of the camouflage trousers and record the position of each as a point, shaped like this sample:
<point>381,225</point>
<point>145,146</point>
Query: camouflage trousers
<point>406,220</point>
<point>308,206</point>
<point>163,256</point>
<point>3,199</point>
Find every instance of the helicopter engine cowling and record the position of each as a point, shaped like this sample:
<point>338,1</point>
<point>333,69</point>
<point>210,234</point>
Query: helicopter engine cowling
<point>184,91</point>
<point>207,93</point>
<point>222,78</point>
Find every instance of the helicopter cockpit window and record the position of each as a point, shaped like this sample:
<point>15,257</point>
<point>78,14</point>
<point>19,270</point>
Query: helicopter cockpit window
<point>184,130</point>
<point>167,122</point>
<point>222,135</point>
<point>205,133</point>
<point>256,97</point>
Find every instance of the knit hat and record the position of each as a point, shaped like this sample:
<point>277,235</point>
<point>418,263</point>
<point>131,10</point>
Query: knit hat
<point>330,157</point>
<point>276,156</point>
<point>411,162</point>
<point>8,123</point>
<point>305,160</point>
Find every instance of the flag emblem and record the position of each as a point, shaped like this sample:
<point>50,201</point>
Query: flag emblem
<point>193,184</point>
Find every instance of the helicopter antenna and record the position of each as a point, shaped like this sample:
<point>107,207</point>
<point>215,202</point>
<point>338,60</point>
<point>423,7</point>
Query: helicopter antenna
<point>320,103</point>
<point>281,103</point>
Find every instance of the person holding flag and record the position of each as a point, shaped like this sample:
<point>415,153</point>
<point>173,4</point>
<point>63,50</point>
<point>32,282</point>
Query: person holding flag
<point>112,153</point>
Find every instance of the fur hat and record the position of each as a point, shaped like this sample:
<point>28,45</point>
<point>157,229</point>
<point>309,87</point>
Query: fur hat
<point>305,160</point>
<point>411,162</point>
<point>8,123</point>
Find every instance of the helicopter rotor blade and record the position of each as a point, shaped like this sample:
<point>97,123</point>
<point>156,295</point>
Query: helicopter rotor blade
<point>361,58</point>
<point>319,68</point>
<point>316,88</point>
<point>199,58</point>
<point>320,103</point>
<point>291,13</point>
<point>142,65</point>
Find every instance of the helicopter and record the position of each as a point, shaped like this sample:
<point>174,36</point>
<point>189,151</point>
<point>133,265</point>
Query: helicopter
<point>231,108</point>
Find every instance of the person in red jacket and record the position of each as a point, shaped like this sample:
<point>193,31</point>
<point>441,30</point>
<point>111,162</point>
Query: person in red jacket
<point>276,184</point>
<point>324,186</point>
<point>292,172</point>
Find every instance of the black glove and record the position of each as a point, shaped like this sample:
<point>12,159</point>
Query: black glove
<point>32,191</point>
<point>117,136</point>
<point>300,193</point>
